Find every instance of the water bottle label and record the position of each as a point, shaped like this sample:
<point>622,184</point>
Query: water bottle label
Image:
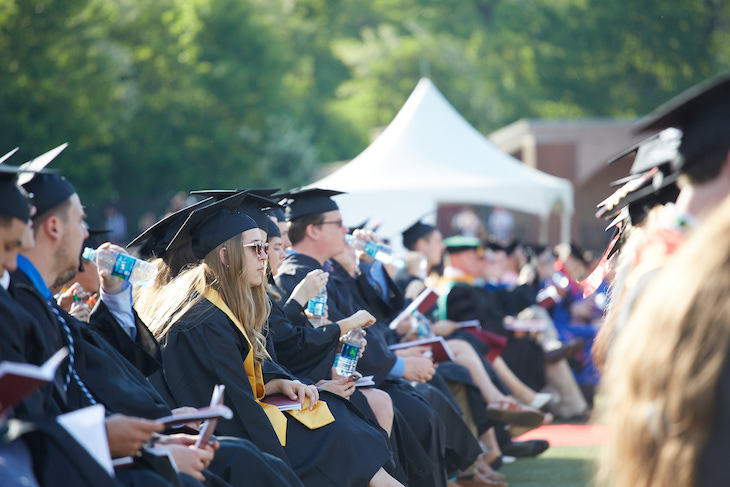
<point>315,307</point>
<point>349,351</point>
<point>123,266</point>
<point>371,248</point>
<point>423,330</point>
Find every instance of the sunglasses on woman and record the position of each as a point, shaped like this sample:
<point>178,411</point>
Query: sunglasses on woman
<point>261,248</point>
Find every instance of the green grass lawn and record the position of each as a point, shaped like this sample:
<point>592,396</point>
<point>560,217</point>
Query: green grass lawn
<point>565,466</point>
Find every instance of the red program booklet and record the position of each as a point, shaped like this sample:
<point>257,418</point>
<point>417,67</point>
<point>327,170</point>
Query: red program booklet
<point>439,350</point>
<point>423,304</point>
<point>19,380</point>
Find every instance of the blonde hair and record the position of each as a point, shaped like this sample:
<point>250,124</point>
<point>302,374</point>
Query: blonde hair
<point>249,304</point>
<point>662,374</point>
<point>169,266</point>
<point>146,299</point>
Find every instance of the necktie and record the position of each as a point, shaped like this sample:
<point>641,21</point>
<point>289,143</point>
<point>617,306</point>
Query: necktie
<point>71,373</point>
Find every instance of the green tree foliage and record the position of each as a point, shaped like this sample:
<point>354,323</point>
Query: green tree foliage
<point>156,97</point>
<point>58,79</point>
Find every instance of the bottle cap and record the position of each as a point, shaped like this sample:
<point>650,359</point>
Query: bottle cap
<point>88,253</point>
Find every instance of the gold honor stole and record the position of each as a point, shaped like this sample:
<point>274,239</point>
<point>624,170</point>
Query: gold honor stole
<point>316,418</point>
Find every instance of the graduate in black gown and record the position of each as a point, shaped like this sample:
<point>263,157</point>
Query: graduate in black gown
<point>464,298</point>
<point>317,235</point>
<point>37,451</point>
<point>100,373</point>
<point>205,342</point>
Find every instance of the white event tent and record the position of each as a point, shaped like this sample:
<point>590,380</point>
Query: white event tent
<point>430,155</point>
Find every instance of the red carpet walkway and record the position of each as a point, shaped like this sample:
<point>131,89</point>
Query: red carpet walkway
<point>568,434</point>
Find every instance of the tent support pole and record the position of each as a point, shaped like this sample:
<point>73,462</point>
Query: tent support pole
<point>565,228</point>
<point>543,238</point>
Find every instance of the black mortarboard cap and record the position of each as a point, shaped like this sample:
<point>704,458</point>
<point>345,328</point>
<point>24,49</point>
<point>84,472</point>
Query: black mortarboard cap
<point>512,246</point>
<point>654,151</point>
<point>12,200</point>
<point>208,227</point>
<point>306,202</point>
<point>48,189</point>
<point>641,194</point>
<point>253,205</point>
<point>159,235</point>
<point>703,114</point>
<point>414,232</point>
<point>277,213</point>
<point>219,194</point>
<point>272,229</point>
<point>495,246</point>
<point>8,155</point>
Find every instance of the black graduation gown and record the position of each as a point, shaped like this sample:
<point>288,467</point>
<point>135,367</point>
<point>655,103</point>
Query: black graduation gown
<point>523,355</point>
<point>402,279</point>
<point>204,348</point>
<point>111,379</point>
<point>420,419</point>
<point>234,461</point>
<point>383,311</point>
<point>143,352</point>
<point>21,341</point>
<point>461,448</point>
<point>377,359</point>
<point>304,350</point>
<point>58,460</point>
<point>121,388</point>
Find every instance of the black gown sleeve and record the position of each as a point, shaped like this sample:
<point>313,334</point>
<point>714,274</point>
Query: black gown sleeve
<point>293,311</point>
<point>200,353</point>
<point>470,303</point>
<point>143,352</point>
<point>20,341</point>
<point>306,351</point>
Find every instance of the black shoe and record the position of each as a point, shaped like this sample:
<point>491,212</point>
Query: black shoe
<point>522,449</point>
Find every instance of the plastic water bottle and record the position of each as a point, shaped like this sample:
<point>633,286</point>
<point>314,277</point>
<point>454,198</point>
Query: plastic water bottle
<point>378,251</point>
<point>138,272</point>
<point>421,325</point>
<point>346,361</point>
<point>316,307</point>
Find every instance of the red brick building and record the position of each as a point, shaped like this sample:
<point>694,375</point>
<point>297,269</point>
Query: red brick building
<point>576,150</point>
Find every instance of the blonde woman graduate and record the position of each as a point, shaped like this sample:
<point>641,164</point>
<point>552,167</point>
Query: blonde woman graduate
<point>210,321</point>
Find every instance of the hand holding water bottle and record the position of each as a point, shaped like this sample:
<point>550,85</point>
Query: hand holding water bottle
<point>115,266</point>
<point>359,319</point>
<point>310,286</point>
<point>352,348</point>
<point>317,308</point>
<point>371,248</point>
